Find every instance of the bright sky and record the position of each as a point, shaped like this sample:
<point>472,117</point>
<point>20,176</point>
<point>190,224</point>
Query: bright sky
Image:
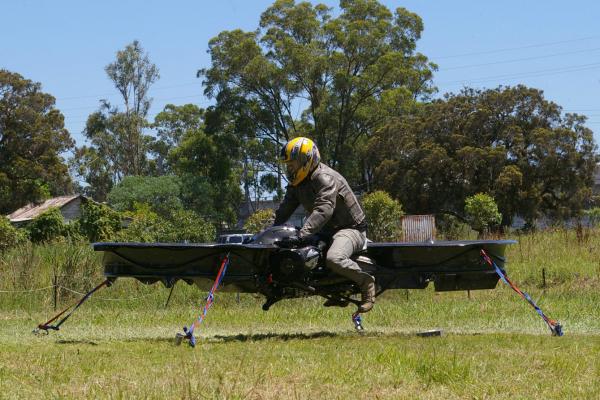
<point>550,45</point>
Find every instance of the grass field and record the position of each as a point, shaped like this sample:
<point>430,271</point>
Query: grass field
<point>120,343</point>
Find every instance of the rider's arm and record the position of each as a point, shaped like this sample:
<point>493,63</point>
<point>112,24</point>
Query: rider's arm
<point>287,207</point>
<point>324,205</point>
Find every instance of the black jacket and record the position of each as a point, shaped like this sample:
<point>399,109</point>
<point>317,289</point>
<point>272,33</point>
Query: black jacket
<point>329,201</point>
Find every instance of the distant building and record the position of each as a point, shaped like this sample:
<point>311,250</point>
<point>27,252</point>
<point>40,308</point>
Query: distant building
<point>596,187</point>
<point>69,206</point>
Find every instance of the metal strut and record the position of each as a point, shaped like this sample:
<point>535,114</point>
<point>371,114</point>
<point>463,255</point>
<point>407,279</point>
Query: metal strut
<point>555,326</point>
<point>46,327</point>
<point>188,333</point>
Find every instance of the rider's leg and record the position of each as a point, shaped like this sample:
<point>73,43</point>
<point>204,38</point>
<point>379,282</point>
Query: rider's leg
<point>346,242</point>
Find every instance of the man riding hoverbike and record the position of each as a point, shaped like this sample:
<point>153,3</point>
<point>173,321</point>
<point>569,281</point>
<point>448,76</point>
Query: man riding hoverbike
<point>333,211</point>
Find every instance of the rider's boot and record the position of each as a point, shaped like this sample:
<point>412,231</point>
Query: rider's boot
<point>367,296</point>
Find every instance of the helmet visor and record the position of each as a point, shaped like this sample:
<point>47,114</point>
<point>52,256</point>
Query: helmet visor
<point>291,168</point>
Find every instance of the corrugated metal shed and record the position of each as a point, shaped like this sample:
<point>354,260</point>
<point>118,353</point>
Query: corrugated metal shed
<point>69,206</point>
<point>418,228</point>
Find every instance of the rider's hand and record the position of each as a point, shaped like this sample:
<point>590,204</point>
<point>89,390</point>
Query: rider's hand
<point>289,242</point>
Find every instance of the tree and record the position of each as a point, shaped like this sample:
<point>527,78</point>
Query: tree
<point>118,147</point>
<point>348,73</point>
<point>161,193</point>
<point>171,124</point>
<point>205,164</point>
<point>48,226</point>
<point>179,226</point>
<point>509,142</point>
<point>482,212</point>
<point>260,220</point>
<point>383,216</point>
<point>9,235</point>
<point>98,222</point>
<point>32,139</point>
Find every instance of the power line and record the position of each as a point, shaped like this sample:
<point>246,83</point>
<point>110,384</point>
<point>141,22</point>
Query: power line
<point>117,94</point>
<point>123,105</point>
<point>519,59</point>
<point>529,74</point>
<point>517,48</point>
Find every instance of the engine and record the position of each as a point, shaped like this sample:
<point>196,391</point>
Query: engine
<point>304,264</point>
<point>291,265</point>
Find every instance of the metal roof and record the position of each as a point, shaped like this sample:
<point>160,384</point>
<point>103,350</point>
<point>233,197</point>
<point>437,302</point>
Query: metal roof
<point>32,210</point>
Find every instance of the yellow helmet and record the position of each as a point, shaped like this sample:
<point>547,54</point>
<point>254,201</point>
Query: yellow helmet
<point>301,157</point>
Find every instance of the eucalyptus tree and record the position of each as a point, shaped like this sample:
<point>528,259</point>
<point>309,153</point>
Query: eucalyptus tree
<point>509,142</point>
<point>335,77</point>
<point>32,140</point>
<point>118,146</point>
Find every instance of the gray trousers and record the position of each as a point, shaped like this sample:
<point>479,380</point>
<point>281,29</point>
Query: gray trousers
<point>347,242</point>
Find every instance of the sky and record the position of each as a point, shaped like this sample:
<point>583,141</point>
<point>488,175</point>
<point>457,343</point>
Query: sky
<point>65,45</point>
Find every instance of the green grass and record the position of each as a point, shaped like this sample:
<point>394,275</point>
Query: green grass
<point>120,343</point>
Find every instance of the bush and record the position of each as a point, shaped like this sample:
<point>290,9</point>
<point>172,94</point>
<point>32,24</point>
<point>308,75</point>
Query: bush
<point>98,222</point>
<point>145,226</point>
<point>9,235</point>
<point>149,227</point>
<point>259,221</point>
<point>593,215</point>
<point>47,226</point>
<point>160,192</point>
<point>189,227</point>
<point>452,228</point>
<point>383,216</point>
<point>482,212</point>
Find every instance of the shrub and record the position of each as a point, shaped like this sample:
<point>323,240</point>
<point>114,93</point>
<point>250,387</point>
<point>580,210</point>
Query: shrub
<point>149,227</point>
<point>593,215</point>
<point>186,225</point>
<point>452,228</point>
<point>482,212</point>
<point>145,226</point>
<point>9,235</point>
<point>47,226</point>
<point>160,192</point>
<point>98,222</point>
<point>260,220</point>
<point>383,216</point>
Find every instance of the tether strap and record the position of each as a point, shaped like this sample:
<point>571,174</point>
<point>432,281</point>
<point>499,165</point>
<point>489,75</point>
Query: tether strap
<point>47,327</point>
<point>555,326</point>
<point>188,333</point>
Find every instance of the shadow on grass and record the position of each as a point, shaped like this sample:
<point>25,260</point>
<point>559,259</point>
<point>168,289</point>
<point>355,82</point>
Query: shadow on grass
<point>77,342</point>
<point>257,337</point>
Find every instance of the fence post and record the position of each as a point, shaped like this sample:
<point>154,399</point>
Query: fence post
<point>544,278</point>
<point>55,290</point>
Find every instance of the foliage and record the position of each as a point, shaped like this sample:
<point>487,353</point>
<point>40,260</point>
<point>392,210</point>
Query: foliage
<point>188,226</point>
<point>98,222</point>
<point>508,142</point>
<point>118,147</point>
<point>162,193</point>
<point>9,235</point>
<point>594,215</point>
<point>209,183</point>
<point>351,69</point>
<point>260,220</point>
<point>171,124</point>
<point>48,226</point>
<point>144,226</point>
<point>32,139</point>
<point>450,227</point>
<point>482,212</point>
<point>383,216</point>
<point>181,226</point>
